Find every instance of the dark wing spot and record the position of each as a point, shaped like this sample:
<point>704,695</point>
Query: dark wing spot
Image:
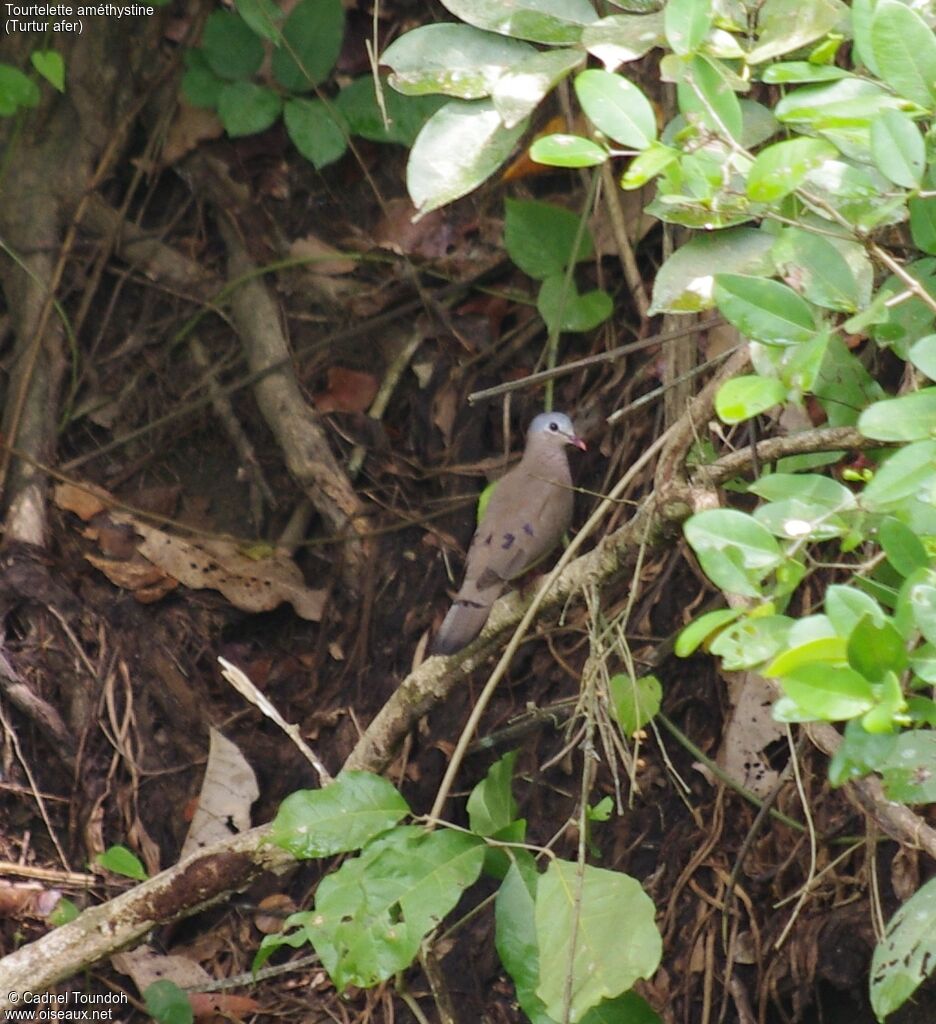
<point>509,538</point>
<point>528,529</point>
<point>488,539</point>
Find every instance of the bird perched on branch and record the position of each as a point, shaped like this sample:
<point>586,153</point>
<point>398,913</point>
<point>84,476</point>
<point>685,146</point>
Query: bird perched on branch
<point>528,513</point>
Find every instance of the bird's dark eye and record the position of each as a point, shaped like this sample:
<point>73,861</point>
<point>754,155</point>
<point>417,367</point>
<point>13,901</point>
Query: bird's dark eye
<point>554,426</point>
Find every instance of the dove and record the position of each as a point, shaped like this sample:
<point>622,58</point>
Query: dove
<point>529,511</point>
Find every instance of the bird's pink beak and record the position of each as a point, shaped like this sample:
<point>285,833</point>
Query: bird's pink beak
<point>578,442</point>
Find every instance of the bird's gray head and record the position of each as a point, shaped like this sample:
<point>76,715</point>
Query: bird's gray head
<point>555,425</point>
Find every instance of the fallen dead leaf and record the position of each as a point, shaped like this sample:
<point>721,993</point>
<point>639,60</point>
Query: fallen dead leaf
<point>347,391</point>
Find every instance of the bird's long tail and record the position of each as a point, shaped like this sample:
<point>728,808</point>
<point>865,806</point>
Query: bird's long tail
<point>464,621</point>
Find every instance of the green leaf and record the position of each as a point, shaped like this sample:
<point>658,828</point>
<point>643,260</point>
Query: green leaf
<point>905,52</point>
<point>827,650</point>
<point>734,550</point>
<point>821,270</point>
<point>923,355</point>
<point>910,772</point>
<point>821,490</point>
<point>372,914</point>
<point>64,912</point>
<point>200,85</point>
<point>521,88</point>
<point>699,630</point>
<point>898,149</point>
<point>246,108</point>
<point>909,472</point>
<point>515,934</point>
<point>859,753</point>
<point>910,417</point>
<point>616,107</point>
<point>850,102</point>
<point>579,911</point>
<point>743,398</point>
<point>167,1003</point>
<point>923,223</point>
<point>539,237</point>
<point>314,131</point>
<point>50,65</point>
<point>357,104</point>
<point>16,90</point>
<point>312,36</point>
<point>122,861</point>
<point>795,71</point>
<point>904,958</point>
<point>460,147</point>
<point>232,51</point>
<point>354,809</point>
<point>648,164</point>
<point>686,282</point>
<point>457,60</point>
<point>263,17</point>
<point>635,701</point>
<point>705,94</point>
<point>554,22</point>
<point>687,23</point>
<point>874,650</point>
<point>764,310</point>
<point>904,549</point>
<point>781,168</point>
<point>565,309</point>
<point>751,641</point>
<point>787,25</point>
<point>922,597</point>
<point>828,693</point>
<point>842,384</point>
<point>560,150</point>
<point>799,520</point>
<point>491,805</point>
<point>846,606</point>
<point>621,38</point>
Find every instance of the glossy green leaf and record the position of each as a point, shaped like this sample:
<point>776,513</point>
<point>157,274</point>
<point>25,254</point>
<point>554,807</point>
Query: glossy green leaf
<point>579,910</point>
<point>822,490</point>
<point>922,596</point>
<point>460,147</point>
<point>798,519</point>
<point>354,809</point>
<point>843,385</point>
<point>904,958</point>
<point>246,108</point>
<point>787,25</point>
<point>923,223</point>
<point>562,150</point>
<point>859,753</point>
<point>686,282</point>
<point>909,472</point>
<point>742,398</point>
<point>457,60</point>
<point>232,50</point>
<point>910,772</point>
<point>635,701</point>
<point>406,115</point>
<point>751,641</point>
<point>555,22</point>
<point>565,309</point>
<point>822,272</point>
<point>313,35</point>
<point>263,17</point>
<point>923,355</point>
<point>874,650</point>
<point>616,107</point>
<point>50,65</point>
<point>781,168</point>
<point>122,861</point>
<point>828,693</point>
<point>898,149</point>
<point>764,310</point>
<point>314,131</point>
<point>827,650</point>
<point>621,38</point>
<point>515,934</point>
<point>904,549</point>
<point>705,94</point>
<point>911,417</point>
<point>734,550</point>
<point>846,606</point>
<point>849,101</point>
<point>521,87</point>
<point>905,52</point>
<point>798,71</point>
<point>540,237</point>
<point>687,23</point>
<point>200,85</point>
<point>648,164</point>
<point>699,630</point>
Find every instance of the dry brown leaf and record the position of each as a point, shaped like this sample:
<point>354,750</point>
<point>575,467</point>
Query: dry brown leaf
<point>144,965</point>
<point>272,912</point>
<point>190,126</point>
<point>347,391</point>
<point>750,729</point>
<point>222,1004</point>
<point>323,258</point>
